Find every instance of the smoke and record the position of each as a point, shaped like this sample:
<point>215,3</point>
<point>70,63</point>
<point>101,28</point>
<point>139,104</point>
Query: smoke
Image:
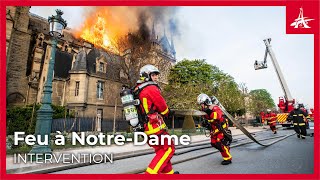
<point>173,27</point>
<point>143,30</point>
<point>127,19</point>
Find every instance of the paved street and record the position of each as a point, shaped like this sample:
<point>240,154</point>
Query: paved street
<point>289,156</point>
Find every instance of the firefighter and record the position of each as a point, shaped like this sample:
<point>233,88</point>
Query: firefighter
<point>152,110</point>
<point>301,106</point>
<point>272,119</point>
<point>299,121</point>
<point>217,124</point>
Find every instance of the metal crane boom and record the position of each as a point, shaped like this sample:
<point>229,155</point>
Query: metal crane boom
<point>283,83</point>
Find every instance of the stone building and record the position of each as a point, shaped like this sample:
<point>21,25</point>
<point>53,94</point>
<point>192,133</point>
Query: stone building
<point>87,80</point>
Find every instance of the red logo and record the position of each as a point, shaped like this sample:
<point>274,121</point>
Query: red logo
<point>301,17</point>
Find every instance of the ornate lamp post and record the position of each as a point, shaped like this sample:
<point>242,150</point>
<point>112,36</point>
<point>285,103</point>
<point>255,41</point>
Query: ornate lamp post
<point>44,114</point>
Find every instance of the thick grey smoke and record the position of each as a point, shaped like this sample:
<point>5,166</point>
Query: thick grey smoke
<point>133,17</point>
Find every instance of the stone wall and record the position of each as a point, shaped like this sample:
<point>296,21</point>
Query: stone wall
<point>28,54</point>
<point>17,57</point>
<point>58,92</point>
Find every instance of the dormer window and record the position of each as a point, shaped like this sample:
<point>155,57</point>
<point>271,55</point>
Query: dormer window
<point>101,67</point>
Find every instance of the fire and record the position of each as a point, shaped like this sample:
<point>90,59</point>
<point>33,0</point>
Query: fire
<point>96,32</point>
<point>106,26</point>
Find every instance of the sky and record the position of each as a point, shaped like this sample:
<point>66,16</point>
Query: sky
<point>231,38</point>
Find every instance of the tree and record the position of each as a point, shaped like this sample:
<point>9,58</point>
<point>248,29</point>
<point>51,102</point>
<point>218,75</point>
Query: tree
<point>260,100</point>
<point>138,50</point>
<point>189,78</point>
<point>193,71</point>
<point>231,97</point>
<point>135,48</point>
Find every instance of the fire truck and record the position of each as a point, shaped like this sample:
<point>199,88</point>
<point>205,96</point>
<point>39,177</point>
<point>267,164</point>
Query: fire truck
<point>311,114</point>
<point>286,102</point>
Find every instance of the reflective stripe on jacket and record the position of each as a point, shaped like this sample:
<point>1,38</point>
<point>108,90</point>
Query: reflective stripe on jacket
<point>154,106</point>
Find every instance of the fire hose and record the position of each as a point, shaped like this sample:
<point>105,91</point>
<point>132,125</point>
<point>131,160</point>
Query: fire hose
<point>235,122</point>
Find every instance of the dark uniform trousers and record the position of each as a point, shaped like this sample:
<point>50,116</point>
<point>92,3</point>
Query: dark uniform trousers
<point>299,124</point>
<point>300,127</point>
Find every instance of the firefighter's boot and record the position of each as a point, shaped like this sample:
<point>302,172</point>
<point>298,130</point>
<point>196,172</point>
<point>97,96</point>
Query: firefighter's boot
<point>226,162</point>
<point>176,172</point>
<point>275,132</point>
<point>298,135</point>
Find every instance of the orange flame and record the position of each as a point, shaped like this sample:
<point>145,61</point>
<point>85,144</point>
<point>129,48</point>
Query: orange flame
<point>103,28</point>
<point>96,33</point>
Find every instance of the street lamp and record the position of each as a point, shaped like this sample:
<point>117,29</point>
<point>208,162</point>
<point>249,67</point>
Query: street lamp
<point>44,114</point>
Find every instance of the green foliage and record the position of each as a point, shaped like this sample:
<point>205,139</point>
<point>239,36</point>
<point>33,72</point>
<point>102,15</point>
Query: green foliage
<point>184,96</point>
<point>59,112</point>
<point>260,100</point>
<point>20,119</point>
<point>231,97</point>
<point>192,71</point>
<point>189,78</point>
<point>24,118</point>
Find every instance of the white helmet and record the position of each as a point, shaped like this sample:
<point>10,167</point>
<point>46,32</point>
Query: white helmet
<point>146,71</point>
<point>296,106</point>
<point>204,99</point>
<point>268,110</point>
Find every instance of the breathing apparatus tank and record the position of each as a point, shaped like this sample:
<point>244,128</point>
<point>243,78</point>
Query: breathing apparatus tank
<point>129,106</point>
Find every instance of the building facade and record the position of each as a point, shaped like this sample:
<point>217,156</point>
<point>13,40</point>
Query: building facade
<point>87,79</point>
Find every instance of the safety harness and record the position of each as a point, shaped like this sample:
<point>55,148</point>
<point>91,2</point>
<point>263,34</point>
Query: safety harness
<point>143,116</point>
<point>221,127</point>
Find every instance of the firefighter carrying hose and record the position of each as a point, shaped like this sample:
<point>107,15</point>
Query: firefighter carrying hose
<point>299,121</point>
<point>152,110</point>
<point>271,119</point>
<point>218,126</point>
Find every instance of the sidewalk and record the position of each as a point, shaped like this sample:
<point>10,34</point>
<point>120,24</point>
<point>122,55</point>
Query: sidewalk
<point>125,149</point>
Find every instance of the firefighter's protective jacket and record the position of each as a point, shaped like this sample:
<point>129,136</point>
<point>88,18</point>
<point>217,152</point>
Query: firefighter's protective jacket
<point>216,119</point>
<point>297,115</point>
<point>271,118</point>
<point>154,106</point>
<point>305,110</point>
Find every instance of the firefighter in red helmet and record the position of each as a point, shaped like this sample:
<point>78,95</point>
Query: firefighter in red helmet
<point>218,126</point>
<point>152,110</point>
<point>271,119</point>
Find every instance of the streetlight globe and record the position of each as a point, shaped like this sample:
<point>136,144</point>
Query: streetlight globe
<point>57,24</point>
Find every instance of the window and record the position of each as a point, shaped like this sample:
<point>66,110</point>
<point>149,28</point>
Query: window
<point>100,90</point>
<point>101,67</point>
<point>99,114</point>
<point>76,93</point>
<point>99,119</point>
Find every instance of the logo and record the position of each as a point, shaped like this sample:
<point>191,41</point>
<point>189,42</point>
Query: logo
<point>301,22</point>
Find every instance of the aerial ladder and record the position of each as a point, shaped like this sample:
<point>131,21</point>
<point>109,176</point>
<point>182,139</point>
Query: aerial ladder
<point>285,103</point>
